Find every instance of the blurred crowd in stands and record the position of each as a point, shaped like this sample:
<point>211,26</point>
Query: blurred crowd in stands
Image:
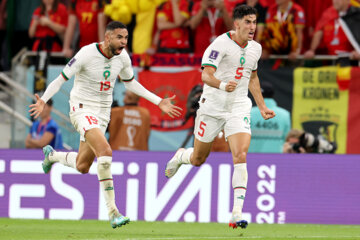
<point>285,27</point>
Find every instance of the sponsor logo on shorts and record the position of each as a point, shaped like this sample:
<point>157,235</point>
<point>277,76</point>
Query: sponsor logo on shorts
<point>71,62</point>
<point>246,120</point>
<point>214,54</point>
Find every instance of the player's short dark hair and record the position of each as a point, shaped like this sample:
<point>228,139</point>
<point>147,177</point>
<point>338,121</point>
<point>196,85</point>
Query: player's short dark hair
<point>115,25</point>
<point>50,102</point>
<point>241,11</point>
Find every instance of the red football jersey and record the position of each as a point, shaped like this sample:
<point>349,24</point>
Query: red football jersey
<point>177,38</point>
<point>204,32</point>
<point>60,17</point>
<point>280,36</point>
<point>334,38</point>
<point>86,12</point>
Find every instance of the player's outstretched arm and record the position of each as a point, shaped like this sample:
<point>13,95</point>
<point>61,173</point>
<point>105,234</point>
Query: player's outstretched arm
<point>164,104</point>
<point>37,108</point>
<point>254,87</point>
<point>170,109</point>
<point>54,86</point>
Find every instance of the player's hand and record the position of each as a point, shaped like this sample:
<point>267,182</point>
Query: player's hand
<point>37,108</point>
<point>170,109</point>
<point>267,113</point>
<point>230,86</point>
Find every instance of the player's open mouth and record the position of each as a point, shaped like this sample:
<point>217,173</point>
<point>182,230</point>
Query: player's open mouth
<point>120,49</point>
<point>251,34</point>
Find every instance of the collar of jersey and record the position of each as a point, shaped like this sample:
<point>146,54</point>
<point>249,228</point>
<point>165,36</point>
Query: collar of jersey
<point>243,46</point>
<point>99,49</point>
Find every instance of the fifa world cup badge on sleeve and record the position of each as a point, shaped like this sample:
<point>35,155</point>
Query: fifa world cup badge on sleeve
<point>213,54</point>
<point>71,62</point>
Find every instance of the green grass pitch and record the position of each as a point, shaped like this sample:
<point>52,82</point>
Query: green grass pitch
<point>13,229</point>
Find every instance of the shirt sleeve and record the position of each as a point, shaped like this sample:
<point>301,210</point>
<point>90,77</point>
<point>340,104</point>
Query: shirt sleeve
<point>195,9</point>
<point>51,127</point>
<point>213,54</point>
<point>258,55</point>
<point>161,13</point>
<point>184,8</point>
<point>299,17</point>
<point>35,15</point>
<point>74,65</point>
<point>62,11</point>
<point>127,73</point>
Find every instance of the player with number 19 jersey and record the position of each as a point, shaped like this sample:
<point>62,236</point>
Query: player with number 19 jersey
<point>232,62</point>
<point>95,76</point>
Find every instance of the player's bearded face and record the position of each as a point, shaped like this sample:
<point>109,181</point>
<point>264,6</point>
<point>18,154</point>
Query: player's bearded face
<point>118,41</point>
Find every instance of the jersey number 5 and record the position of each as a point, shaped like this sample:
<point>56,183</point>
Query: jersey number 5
<point>104,85</point>
<point>239,73</point>
<point>202,129</point>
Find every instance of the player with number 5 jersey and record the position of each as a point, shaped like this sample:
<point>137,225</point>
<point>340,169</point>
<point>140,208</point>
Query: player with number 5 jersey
<point>229,70</point>
<point>231,61</point>
<point>96,68</point>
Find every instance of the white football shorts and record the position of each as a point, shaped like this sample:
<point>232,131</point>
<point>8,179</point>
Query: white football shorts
<point>85,118</point>
<point>207,126</point>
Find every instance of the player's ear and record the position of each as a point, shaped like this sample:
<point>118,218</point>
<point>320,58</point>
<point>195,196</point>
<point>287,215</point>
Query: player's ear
<point>236,23</point>
<point>107,36</point>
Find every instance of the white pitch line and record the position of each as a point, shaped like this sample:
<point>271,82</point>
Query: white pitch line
<point>178,238</point>
<point>239,237</point>
<point>250,237</point>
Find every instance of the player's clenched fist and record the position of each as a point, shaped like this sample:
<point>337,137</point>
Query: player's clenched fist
<point>230,86</point>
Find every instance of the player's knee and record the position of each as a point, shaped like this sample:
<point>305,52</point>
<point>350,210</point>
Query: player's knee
<point>197,161</point>
<point>83,168</point>
<point>106,151</point>
<point>240,157</point>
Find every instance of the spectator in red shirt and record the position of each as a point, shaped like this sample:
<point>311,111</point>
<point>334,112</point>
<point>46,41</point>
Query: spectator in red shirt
<point>171,19</point>
<point>91,18</point>
<point>209,19</point>
<point>48,26</point>
<point>283,33</point>
<point>330,34</point>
